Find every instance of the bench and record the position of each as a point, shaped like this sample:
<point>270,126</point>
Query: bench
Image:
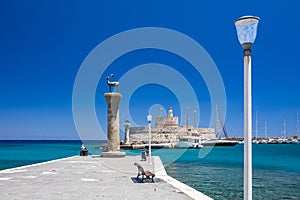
<point>142,172</point>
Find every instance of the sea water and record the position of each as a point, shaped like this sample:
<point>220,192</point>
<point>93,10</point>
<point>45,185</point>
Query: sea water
<point>19,153</point>
<point>276,172</point>
<point>215,171</point>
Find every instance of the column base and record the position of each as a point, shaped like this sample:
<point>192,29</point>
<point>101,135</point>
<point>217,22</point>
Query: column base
<point>113,154</point>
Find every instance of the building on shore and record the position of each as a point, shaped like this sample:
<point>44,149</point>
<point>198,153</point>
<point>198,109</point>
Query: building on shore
<point>166,130</point>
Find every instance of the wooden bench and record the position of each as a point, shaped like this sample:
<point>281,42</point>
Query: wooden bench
<point>142,172</point>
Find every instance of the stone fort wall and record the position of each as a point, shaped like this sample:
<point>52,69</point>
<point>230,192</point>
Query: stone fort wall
<point>167,135</point>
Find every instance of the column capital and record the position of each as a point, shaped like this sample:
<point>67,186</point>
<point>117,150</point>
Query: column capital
<point>112,97</point>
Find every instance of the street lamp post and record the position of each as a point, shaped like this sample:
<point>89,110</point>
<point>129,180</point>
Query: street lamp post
<point>246,30</point>
<point>127,125</point>
<point>149,117</point>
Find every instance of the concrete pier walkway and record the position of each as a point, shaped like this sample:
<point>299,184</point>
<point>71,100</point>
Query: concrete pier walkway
<point>91,178</point>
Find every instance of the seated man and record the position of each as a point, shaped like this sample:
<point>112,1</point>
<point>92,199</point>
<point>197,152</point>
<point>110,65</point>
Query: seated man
<point>84,151</point>
<point>144,155</point>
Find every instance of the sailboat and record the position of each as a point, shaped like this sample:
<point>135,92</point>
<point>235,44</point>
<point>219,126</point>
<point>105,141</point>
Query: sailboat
<point>296,139</point>
<point>283,139</point>
<point>190,141</point>
<point>297,125</point>
<point>265,141</point>
<point>255,141</point>
<point>219,142</point>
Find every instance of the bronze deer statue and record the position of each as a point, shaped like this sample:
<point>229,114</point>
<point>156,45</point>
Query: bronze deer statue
<point>110,84</point>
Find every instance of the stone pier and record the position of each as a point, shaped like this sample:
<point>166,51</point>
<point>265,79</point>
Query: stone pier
<point>113,125</point>
<point>92,177</point>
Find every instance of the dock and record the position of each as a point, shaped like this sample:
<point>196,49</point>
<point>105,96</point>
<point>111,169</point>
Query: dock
<point>92,177</point>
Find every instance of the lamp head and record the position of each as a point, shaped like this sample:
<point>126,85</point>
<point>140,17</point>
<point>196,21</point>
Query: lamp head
<point>246,28</point>
<point>149,117</point>
<point>127,124</point>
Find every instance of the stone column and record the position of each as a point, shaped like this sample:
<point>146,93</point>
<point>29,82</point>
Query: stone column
<point>113,125</point>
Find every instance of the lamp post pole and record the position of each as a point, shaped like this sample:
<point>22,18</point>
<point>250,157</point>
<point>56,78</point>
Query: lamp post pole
<point>149,117</point>
<point>247,126</point>
<point>246,30</point>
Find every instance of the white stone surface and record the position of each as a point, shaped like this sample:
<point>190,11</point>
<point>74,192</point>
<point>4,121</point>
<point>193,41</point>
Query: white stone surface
<point>89,178</point>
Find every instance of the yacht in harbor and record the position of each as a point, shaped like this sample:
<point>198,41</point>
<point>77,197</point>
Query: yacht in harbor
<point>241,142</point>
<point>219,142</point>
<point>189,142</point>
<point>220,127</point>
<point>283,139</point>
<point>272,141</point>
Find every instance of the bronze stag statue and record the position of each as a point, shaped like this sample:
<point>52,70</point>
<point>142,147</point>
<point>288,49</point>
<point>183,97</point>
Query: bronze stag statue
<point>110,84</point>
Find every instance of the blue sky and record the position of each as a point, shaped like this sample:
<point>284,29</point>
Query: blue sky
<point>43,44</point>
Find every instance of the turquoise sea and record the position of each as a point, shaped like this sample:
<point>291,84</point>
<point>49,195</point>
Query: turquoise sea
<point>217,171</point>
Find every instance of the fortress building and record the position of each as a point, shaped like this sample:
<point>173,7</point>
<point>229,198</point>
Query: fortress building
<point>166,130</point>
<point>169,121</point>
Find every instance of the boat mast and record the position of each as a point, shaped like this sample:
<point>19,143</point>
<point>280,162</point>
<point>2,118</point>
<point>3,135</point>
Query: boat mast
<point>218,130</point>
<point>187,119</point>
<point>266,135</point>
<point>297,125</point>
<point>195,118</point>
<point>256,125</point>
<point>284,130</point>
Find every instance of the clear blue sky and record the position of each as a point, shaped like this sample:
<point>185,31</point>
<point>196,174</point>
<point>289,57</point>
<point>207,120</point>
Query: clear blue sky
<point>43,44</point>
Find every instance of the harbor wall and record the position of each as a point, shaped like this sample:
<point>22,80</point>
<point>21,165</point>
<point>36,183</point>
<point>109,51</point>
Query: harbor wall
<point>139,135</point>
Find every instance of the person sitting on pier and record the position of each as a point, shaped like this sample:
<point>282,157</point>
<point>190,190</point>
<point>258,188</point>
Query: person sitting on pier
<point>144,155</point>
<point>84,151</point>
